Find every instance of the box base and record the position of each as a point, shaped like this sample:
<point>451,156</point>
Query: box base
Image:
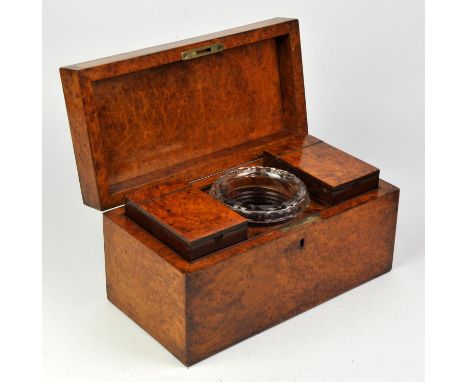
<point>196,309</point>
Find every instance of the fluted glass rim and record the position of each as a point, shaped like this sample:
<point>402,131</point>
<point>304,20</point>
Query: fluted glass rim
<point>286,210</point>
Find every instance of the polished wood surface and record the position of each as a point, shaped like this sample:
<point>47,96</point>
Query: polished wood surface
<point>249,287</point>
<point>194,224</point>
<point>330,174</point>
<point>330,166</point>
<point>146,125</point>
<point>90,189</point>
<point>157,117</point>
<point>146,288</point>
<point>190,221</point>
<point>139,117</point>
<point>216,162</point>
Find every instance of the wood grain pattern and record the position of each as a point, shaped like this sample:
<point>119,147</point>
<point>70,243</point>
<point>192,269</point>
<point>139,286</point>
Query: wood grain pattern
<point>143,195</point>
<point>184,110</point>
<point>140,117</point>
<point>329,173</point>
<point>81,143</point>
<point>149,57</point>
<point>244,289</point>
<point>146,124</point>
<point>146,288</point>
<point>252,152</point>
<point>232,300</point>
<point>189,221</point>
<point>207,165</point>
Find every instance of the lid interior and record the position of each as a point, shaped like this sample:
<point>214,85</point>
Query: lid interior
<point>151,118</point>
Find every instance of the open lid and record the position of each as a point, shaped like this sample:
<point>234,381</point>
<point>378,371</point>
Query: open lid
<point>183,109</point>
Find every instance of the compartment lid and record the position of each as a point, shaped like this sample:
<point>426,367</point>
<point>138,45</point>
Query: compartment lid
<point>184,109</point>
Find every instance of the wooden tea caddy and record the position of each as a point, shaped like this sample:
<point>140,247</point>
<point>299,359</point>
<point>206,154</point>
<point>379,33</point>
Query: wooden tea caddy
<point>173,118</point>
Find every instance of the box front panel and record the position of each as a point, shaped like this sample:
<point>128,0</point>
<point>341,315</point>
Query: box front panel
<point>251,292</point>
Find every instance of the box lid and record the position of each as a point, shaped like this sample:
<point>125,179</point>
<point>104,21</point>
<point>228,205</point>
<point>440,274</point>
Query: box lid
<point>184,109</point>
<point>189,221</point>
<point>329,173</point>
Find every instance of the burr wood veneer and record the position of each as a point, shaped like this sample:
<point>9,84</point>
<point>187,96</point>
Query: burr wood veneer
<point>149,114</point>
<point>330,174</point>
<point>173,118</point>
<point>189,221</point>
<point>196,309</point>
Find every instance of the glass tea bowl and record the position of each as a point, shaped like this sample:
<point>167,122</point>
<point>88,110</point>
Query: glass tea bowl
<point>263,195</point>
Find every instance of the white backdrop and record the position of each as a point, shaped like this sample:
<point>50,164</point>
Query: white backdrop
<point>364,77</point>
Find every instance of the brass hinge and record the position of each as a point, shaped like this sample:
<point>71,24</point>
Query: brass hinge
<point>203,51</point>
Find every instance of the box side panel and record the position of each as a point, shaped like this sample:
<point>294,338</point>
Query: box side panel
<point>145,287</point>
<point>79,132</point>
<point>312,263</point>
